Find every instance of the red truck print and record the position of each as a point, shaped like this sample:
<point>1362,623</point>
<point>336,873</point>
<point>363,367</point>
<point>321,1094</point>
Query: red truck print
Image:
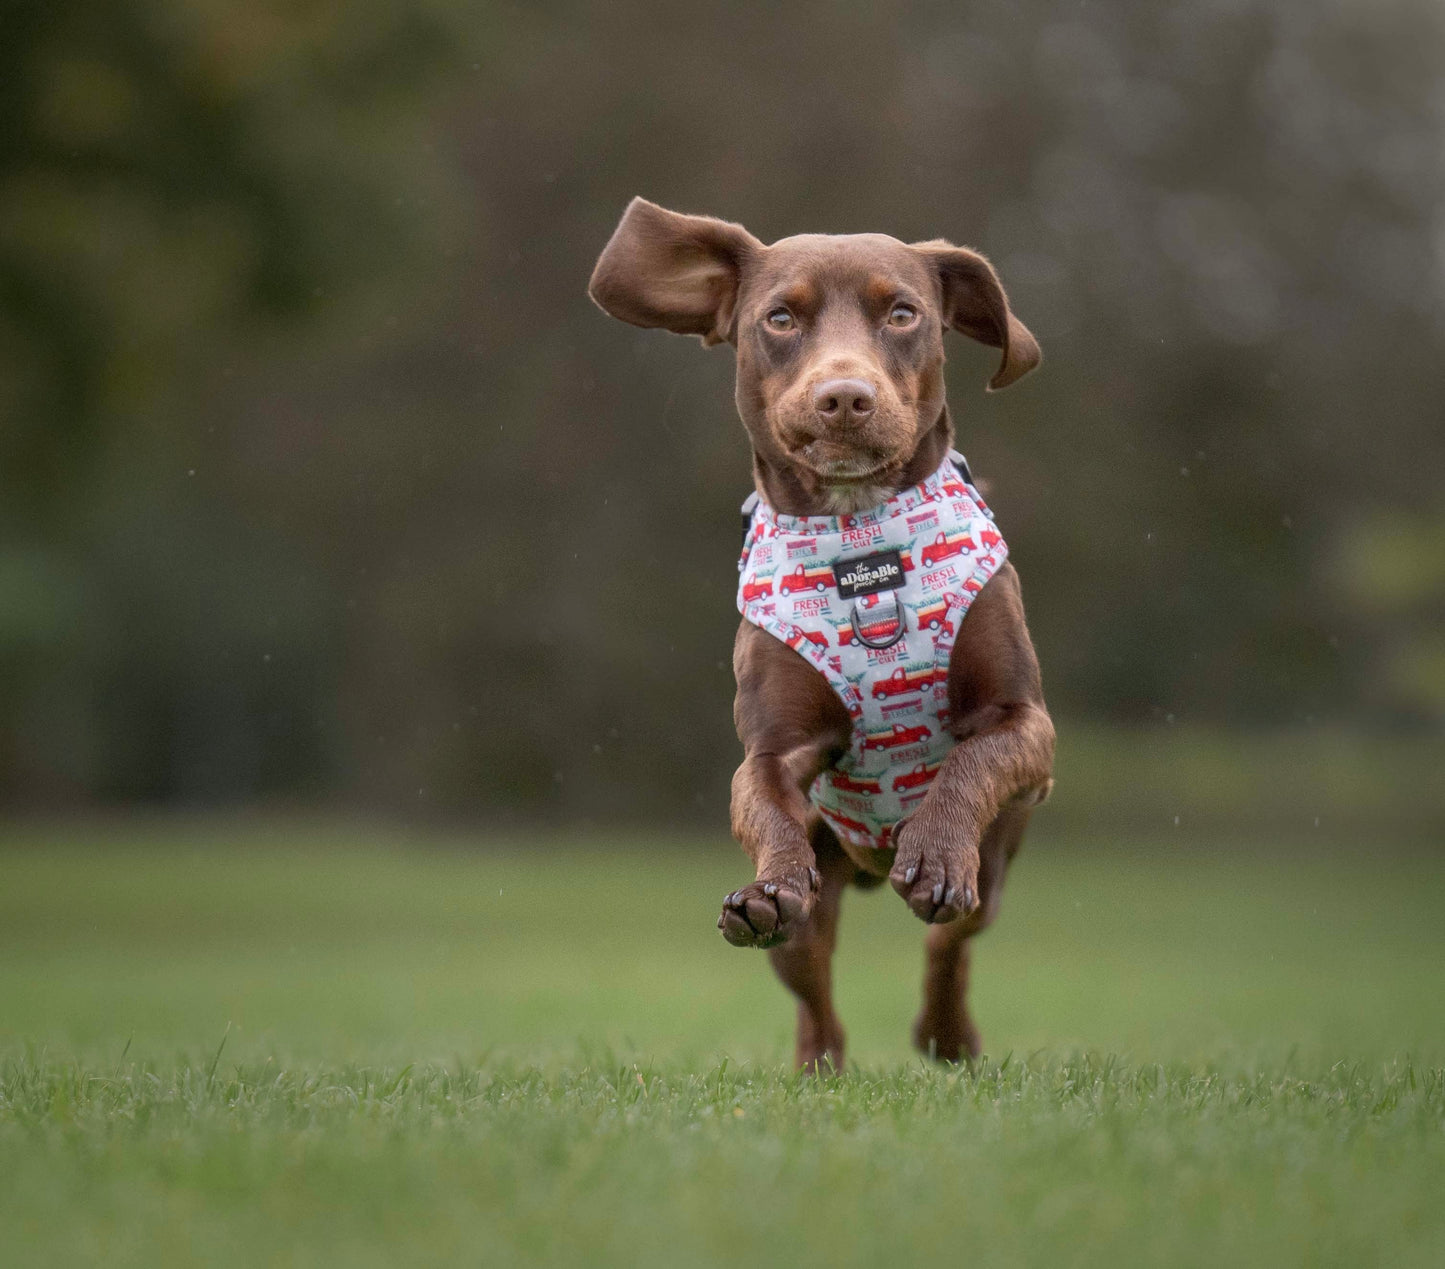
<point>841,780</point>
<point>898,737</point>
<point>934,614</point>
<point>844,631</point>
<point>800,636</point>
<point>842,821</point>
<point>804,578</point>
<point>903,681</point>
<point>944,546</point>
<point>989,537</point>
<point>917,778</point>
<point>761,589</point>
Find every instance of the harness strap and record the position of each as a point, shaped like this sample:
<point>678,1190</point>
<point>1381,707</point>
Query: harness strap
<point>749,506</point>
<point>750,503</point>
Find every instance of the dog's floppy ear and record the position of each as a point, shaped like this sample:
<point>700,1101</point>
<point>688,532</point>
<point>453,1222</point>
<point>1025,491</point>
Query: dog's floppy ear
<point>974,304</point>
<point>662,268</point>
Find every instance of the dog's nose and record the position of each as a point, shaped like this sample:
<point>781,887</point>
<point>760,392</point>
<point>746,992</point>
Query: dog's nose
<point>844,400</point>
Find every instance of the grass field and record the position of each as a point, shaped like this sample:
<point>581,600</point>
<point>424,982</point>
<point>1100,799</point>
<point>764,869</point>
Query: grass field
<point>288,1047</point>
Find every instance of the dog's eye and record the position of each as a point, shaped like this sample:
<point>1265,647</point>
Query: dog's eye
<point>780,319</point>
<point>902,315</point>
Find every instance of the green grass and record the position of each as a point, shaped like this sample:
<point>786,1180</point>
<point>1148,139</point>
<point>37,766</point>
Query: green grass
<point>544,1052</point>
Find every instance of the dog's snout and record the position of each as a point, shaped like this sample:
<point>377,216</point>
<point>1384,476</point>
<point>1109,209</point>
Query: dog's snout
<point>845,400</point>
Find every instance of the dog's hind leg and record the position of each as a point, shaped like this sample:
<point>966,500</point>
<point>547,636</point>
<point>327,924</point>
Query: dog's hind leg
<point>943,1029</point>
<point>805,962</point>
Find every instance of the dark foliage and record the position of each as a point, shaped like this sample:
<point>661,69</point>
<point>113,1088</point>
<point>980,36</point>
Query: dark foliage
<point>320,477</point>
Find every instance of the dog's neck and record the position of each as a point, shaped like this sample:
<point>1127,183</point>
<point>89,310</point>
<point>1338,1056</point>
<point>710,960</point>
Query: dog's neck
<point>839,500</point>
<point>796,492</point>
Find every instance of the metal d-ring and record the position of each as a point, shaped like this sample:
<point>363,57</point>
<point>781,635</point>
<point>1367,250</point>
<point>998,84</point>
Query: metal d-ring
<point>887,643</point>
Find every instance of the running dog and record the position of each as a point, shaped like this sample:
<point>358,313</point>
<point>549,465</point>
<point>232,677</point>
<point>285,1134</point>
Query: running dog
<point>888,694</point>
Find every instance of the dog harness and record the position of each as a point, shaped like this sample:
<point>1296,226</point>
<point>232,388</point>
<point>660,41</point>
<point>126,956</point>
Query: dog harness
<point>874,601</point>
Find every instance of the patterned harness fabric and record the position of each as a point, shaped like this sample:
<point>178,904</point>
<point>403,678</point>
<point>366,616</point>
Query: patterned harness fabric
<point>874,601</point>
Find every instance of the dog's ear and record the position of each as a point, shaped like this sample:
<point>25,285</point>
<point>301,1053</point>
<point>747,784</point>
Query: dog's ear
<point>662,268</point>
<point>974,304</point>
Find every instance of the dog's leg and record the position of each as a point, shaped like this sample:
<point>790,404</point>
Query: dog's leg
<point>1002,760</point>
<point>769,815</point>
<point>791,723</point>
<point>993,774</point>
<point>943,1029</point>
<point>805,963</point>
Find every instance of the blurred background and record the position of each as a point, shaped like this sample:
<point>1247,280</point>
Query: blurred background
<point>324,487</point>
<point>367,600</point>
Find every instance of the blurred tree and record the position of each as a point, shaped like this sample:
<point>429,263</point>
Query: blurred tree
<point>320,476</point>
<point>174,178</point>
<point>1390,570</point>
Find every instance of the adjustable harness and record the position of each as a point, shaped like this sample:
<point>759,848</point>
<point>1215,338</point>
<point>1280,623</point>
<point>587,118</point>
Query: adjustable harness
<point>874,600</point>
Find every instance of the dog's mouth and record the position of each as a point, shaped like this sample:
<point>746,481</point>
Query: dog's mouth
<point>842,464</point>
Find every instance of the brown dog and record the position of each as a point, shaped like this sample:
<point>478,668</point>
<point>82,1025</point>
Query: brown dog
<point>839,344</point>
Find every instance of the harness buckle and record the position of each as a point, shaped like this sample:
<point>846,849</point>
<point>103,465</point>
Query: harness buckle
<point>878,620</point>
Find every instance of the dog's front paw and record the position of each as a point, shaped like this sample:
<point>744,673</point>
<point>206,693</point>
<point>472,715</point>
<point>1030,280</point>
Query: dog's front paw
<point>767,912</point>
<point>937,878</point>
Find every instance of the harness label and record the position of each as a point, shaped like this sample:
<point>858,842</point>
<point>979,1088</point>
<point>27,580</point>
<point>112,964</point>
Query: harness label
<point>883,571</point>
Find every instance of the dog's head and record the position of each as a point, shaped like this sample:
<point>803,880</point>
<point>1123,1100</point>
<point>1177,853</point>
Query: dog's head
<point>839,338</point>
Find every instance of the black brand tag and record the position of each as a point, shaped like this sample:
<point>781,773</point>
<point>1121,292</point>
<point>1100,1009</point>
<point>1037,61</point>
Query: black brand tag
<point>883,571</point>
